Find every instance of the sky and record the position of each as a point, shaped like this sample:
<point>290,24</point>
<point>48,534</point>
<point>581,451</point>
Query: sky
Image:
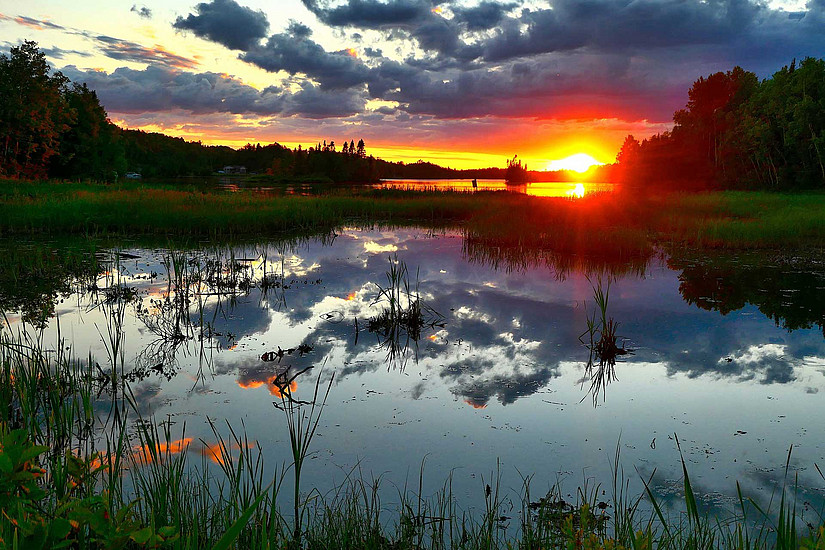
<point>463,83</point>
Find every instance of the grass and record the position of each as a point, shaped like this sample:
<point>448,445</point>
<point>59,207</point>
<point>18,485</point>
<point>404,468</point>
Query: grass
<point>71,477</point>
<point>608,225</point>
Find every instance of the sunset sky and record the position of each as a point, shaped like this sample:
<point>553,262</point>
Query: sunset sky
<point>462,83</point>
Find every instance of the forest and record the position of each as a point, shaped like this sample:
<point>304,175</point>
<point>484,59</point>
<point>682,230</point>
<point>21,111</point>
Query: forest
<point>737,132</point>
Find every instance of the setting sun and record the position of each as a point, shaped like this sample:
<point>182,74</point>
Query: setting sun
<point>580,162</point>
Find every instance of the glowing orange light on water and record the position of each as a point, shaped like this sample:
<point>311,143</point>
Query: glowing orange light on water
<point>352,52</point>
<point>475,405</point>
<point>350,297</point>
<point>577,192</point>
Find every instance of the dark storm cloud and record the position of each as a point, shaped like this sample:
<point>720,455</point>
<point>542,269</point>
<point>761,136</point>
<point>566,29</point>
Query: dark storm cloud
<point>160,89</point>
<point>142,11</point>
<point>592,59</point>
<point>484,16</point>
<point>607,25</point>
<point>404,18</point>
<point>226,22</point>
<point>371,14</point>
<point>294,52</point>
<point>314,102</point>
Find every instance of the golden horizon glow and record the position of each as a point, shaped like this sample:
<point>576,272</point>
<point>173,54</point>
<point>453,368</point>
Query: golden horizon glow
<point>451,157</point>
<point>580,162</point>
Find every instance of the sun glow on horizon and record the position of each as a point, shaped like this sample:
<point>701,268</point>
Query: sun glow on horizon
<point>580,162</point>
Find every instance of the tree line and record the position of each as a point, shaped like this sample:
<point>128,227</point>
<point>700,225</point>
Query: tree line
<point>50,127</point>
<point>737,132</point>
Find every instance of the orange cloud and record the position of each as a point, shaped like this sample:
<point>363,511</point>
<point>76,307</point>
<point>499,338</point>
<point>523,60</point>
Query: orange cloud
<point>279,390</point>
<point>145,454</point>
<point>219,453</point>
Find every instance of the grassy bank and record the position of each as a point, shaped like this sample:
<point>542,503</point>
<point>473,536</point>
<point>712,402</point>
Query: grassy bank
<point>623,224</point>
<point>79,468</point>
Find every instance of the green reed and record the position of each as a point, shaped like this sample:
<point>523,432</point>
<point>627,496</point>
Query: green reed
<point>625,224</point>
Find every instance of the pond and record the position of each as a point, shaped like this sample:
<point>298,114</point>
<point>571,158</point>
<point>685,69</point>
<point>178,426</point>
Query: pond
<point>725,352</point>
<point>571,189</point>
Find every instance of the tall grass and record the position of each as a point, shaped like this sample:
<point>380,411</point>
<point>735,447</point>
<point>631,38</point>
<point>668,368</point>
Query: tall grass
<point>618,225</point>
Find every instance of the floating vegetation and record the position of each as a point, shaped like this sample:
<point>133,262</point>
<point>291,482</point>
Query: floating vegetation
<point>270,356</point>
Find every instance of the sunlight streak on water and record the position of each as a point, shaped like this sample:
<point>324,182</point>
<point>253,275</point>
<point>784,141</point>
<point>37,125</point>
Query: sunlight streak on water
<point>534,189</point>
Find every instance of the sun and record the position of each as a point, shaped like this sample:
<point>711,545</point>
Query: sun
<point>580,162</point>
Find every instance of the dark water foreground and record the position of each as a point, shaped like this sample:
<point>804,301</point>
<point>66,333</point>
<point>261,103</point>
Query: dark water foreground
<point>725,351</point>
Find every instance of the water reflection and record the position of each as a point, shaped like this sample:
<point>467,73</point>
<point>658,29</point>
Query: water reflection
<point>720,345</point>
<point>790,291</point>
<point>534,189</point>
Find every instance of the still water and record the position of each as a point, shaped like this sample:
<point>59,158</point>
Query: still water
<point>726,352</point>
<point>571,189</point>
<point>534,189</point>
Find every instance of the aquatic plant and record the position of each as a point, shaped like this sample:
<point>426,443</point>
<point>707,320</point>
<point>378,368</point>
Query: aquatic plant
<point>403,314</point>
<point>602,344</point>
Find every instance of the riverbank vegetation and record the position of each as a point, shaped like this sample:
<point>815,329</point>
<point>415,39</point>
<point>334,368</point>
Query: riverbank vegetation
<point>613,224</point>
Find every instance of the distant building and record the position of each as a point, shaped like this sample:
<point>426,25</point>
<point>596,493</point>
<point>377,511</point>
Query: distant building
<point>234,170</point>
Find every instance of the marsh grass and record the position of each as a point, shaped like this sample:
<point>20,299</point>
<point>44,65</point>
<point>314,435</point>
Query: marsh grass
<point>620,225</point>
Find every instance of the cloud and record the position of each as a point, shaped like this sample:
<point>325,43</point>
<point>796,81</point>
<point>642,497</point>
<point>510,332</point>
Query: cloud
<point>142,11</point>
<point>125,50</point>
<point>227,23</point>
<point>36,24</point>
<point>486,15</point>
<point>371,14</point>
<point>294,52</point>
<point>160,88</point>
<point>115,48</point>
<point>59,53</point>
